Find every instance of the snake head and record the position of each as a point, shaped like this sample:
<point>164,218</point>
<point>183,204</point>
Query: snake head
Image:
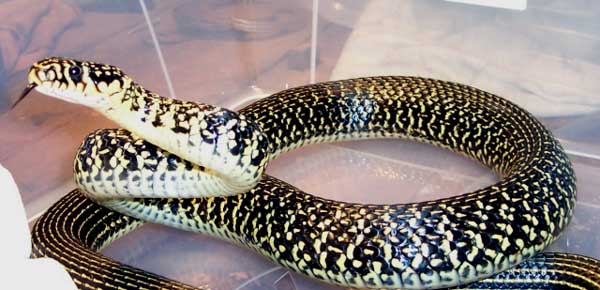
<point>81,82</point>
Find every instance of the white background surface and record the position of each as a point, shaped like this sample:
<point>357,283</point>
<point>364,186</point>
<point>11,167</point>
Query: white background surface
<point>20,272</point>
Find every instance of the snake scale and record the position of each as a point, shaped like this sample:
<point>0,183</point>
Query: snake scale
<point>201,157</point>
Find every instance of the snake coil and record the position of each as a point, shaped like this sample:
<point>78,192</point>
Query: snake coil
<point>495,233</point>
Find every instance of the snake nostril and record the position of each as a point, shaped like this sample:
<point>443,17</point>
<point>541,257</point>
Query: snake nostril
<point>47,75</point>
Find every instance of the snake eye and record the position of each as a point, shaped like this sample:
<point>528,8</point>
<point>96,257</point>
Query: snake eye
<point>75,73</point>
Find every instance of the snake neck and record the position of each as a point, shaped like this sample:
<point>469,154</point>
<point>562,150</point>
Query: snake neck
<point>144,113</point>
<point>195,131</point>
<point>132,97</point>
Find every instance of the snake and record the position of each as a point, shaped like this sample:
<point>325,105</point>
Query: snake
<point>200,168</point>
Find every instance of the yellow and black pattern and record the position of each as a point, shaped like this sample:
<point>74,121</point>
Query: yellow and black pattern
<point>75,227</point>
<point>435,244</point>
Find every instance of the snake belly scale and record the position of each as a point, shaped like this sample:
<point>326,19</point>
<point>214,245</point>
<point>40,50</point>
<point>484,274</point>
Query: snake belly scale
<point>495,233</point>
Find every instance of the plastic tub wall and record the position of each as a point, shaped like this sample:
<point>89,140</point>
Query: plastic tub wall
<point>229,53</point>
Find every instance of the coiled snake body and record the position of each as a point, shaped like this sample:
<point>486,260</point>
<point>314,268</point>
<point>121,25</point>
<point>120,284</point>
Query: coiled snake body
<point>187,150</point>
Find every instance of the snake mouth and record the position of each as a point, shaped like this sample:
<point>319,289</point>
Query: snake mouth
<point>26,91</point>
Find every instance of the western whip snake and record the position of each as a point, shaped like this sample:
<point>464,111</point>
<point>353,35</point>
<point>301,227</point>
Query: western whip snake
<point>208,162</point>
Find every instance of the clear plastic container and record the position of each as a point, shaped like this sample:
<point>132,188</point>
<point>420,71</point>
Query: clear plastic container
<point>229,53</point>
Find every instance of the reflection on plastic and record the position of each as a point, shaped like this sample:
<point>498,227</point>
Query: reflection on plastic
<point>285,282</point>
<point>507,4</point>
<point>257,277</point>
